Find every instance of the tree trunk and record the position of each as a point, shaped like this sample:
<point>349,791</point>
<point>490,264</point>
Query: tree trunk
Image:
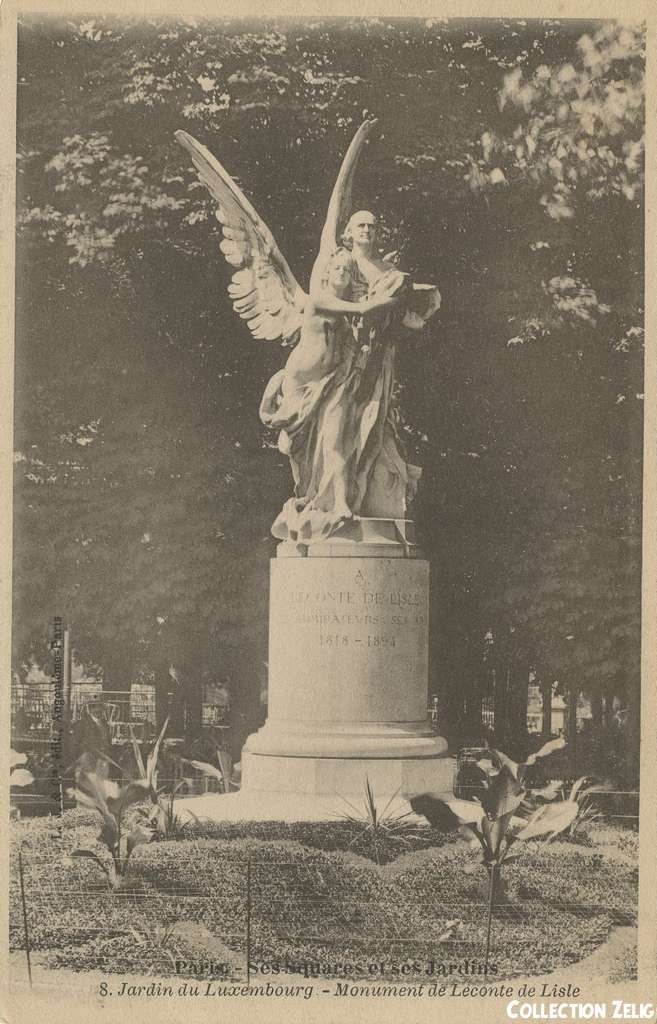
<point>596,712</point>
<point>472,703</point>
<point>162,687</point>
<point>571,728</point>
<point>632,740</point>
<point>517,708</point>
<point>546,708</point>
<point>609,694</point>
<point>193,699</point>
<point>501,694</point>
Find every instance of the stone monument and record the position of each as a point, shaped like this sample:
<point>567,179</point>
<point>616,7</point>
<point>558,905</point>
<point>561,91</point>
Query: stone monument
<point>349,597</point>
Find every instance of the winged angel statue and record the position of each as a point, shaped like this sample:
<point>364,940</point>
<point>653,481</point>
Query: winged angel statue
<point>332,401</point>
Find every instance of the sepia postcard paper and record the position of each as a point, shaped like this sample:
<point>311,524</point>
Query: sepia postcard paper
<point>328,505</point>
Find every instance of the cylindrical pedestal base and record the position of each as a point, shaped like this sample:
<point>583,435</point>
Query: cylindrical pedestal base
<point>348,663</point>
<point>335,778</point>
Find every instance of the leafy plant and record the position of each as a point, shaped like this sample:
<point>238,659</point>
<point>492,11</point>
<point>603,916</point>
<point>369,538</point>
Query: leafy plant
<point>493,821</point>
<point>95,790</point>
<point>163,818</point>
<point>586,813</point>
<point>19,776</point>
<point>223,773</point>
<point>111,801</point>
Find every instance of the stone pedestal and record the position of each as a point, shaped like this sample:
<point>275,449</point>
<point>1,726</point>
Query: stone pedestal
<point>348,661</point>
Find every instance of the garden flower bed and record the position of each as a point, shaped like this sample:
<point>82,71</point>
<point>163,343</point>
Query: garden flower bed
<point>314,900</point>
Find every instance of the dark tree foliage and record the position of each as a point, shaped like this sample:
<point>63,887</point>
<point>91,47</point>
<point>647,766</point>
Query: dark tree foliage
<point>508,170</point>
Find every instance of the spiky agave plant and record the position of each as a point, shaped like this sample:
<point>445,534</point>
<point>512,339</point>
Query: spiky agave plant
<point>162,816</point>
<point>380,822</point>
<point>157,938</point>
<point>493,821</point>
<point>148,770</point>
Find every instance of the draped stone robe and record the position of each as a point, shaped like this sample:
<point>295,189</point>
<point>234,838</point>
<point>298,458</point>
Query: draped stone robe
<point>342,427</point>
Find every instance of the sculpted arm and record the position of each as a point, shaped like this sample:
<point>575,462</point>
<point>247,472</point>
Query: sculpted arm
<point>328,304</point>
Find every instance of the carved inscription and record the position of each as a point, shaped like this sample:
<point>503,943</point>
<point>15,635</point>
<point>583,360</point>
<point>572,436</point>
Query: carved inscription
<point>348,639</point>
<point>359,618</point>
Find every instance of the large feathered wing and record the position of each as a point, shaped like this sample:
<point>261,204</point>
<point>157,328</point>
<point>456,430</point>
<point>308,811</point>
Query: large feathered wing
<point>264,290</point>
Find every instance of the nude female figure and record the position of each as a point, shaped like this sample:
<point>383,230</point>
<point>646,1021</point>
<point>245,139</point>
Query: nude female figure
<point>331,403</point>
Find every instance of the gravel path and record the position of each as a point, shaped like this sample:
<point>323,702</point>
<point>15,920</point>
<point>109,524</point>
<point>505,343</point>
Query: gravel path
<point>607,963</point>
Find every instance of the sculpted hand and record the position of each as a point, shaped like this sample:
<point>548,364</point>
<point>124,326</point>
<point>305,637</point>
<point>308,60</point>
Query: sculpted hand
<point>384,301</point>
<point>368,125</point>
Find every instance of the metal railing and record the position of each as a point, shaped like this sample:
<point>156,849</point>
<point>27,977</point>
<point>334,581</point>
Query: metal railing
<point>32,710</point>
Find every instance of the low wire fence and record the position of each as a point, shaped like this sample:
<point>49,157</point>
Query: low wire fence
<point>186,912</point>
